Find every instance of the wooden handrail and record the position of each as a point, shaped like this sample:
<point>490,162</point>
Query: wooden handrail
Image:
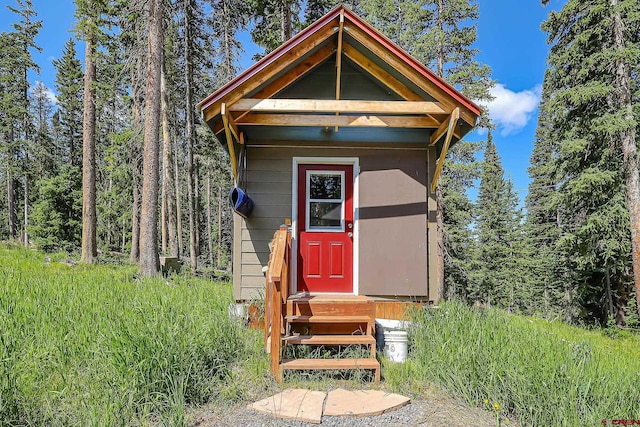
<point>277,292</point>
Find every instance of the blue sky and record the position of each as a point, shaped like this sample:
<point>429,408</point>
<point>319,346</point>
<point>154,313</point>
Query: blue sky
<point>509,39</point>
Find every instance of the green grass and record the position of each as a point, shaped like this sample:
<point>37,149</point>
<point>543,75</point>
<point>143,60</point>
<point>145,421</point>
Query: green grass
<point>543,373</point>
<point>94,346</point>
<point>91,345</point>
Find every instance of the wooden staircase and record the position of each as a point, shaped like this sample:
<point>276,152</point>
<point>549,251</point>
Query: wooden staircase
<point>317,320</point>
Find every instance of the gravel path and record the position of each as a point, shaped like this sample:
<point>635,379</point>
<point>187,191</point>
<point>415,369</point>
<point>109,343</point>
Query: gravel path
<point>433,412</point>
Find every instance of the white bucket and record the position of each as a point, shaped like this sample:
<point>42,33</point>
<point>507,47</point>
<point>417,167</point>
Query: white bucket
<point>395,346</point>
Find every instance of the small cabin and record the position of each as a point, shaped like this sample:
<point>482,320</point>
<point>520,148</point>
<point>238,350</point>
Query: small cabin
<point>341,136</point>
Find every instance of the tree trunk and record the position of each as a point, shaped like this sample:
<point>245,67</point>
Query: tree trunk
<point>628,144</point>
<point>287,29</point>
<point>136,72</point>
<point>198,207</point>
<point>176,179</point>
<point>188,74</point>
<point>170,235</point>
<point>209,218</point>
<point>609,295</point>
<point>89,216</point>
<point>12,203</point>
<point>166,147</point>
<point>219,241</point>
<point>149,261</point>
<point>26,205</point>
<point>134,257</point>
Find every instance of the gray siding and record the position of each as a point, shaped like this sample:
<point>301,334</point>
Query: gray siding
<point>393,217</point>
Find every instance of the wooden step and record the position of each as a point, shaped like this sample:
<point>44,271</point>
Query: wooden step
<point>330,339</point>
<point>313,364</point>
<point>329,319</point>
<point>331,305</point>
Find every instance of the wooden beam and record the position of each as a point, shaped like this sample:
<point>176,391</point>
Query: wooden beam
<point>227,131</point>
<point>335,106</point>
<point>289,77</point>
<point>455,115</point>
<point>408,122</point>
<point>339,59</point>
<point>233,127</point>
<point>405,69</point>
<point>294,74</point>
<point>380,74</point>
<point>272,69</point>
<point>435,137</point>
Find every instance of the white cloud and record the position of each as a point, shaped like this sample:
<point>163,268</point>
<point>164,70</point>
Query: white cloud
<point>511,111</point>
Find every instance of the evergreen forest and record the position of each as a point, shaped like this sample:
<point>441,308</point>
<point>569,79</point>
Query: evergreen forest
<point>122,167</point>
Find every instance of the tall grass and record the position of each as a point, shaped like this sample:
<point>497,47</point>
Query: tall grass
<point>546,374</point>
<point>91,345</point>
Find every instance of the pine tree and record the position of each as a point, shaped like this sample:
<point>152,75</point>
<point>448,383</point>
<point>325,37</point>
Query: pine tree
<point>44,152</point>
<point>590,118</point>
<point>69,87</point>
<point>498,231</point>
<point>129,18</point>
<point>229,17</point>
<point>547,275</point>
<point>89,13</point>
<point>189,47</point>
<point>10,115</point>
<point>275,21</point>
<point>149,261</point>
<point>17,46</point>
<point>448,48</point>
<point>57,211</point>
<point>113,128</point>
<point>460,171</point>
<point>315,9</point>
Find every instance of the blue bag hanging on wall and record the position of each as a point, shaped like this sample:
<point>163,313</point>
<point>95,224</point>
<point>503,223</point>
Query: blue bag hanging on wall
<point>241,203</point>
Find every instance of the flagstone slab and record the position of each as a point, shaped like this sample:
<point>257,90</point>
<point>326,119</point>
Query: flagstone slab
<point>361,403</point>
<point>295,404</point>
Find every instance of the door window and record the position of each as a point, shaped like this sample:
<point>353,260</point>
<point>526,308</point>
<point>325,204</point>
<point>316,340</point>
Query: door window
<point>325,201</point>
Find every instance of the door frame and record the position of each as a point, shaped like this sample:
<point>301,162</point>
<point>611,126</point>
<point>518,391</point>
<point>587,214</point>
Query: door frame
<point>355,163</point>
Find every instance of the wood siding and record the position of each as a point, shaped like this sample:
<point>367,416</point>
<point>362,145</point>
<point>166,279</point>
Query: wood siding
<point>392,216</point>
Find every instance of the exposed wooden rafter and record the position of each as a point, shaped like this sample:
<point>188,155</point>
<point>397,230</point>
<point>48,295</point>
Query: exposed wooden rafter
<point>335,106</point>
<point>453,118</point>
<point>380,74</point>
<point>290,76</point>
<point>272,69</point>
<point>304,67</point>
<point>404,68</point>
<point>440,132</point>
<point>226,120</point>
<point>339,59</point>
<point>414,122</point>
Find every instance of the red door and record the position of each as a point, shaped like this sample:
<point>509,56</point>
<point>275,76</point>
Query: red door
<point>325,228</point>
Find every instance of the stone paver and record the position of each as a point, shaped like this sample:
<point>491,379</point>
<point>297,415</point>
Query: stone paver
<point>309,406</point>
<point>361,403</point>
<point>295,404</point>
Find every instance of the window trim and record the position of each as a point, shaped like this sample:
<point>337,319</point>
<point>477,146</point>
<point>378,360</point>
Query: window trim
<point>309,200</point>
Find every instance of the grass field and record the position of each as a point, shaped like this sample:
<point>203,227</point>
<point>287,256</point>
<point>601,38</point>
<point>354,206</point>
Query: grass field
<point>91,345</point>
<point>544,373</point>
<point>94,346</point>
